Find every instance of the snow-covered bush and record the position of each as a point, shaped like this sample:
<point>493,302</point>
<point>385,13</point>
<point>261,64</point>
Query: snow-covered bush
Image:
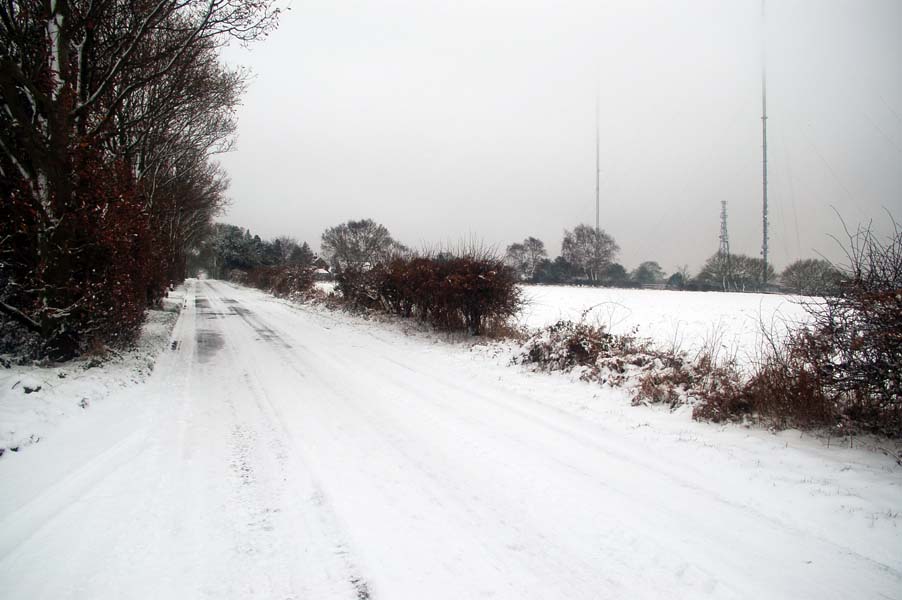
<point>567,345</point>
<point>650,375</point>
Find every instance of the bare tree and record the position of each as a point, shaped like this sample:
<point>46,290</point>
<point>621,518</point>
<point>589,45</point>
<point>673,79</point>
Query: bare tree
<point>535,253</point>
<point>81,70</point>
<point>648,272</point>
<point>811,276</point>
<point>589,249</point>
<point>862,323</point>
<point>843,367</point>
<point>740,273</point>
<point>526,257</point>
<point>516,258</point>
<point>356,244</point>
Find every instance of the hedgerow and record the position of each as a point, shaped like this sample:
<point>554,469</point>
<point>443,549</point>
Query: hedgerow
<point>471,293</point>
<point>107,131</point>
<point>843,371</point>
<point>88,281</point>
<point>285,282</point>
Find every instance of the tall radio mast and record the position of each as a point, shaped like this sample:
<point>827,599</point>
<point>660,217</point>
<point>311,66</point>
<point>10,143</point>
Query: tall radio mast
<point>764,144</point>
<point>597,166</point>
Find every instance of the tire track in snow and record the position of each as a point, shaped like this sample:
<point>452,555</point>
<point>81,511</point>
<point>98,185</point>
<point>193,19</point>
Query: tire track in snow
<point>590,443</point>
<point>292,481</point>
<point>41,512</point>
<point>371,368</point>
<point>455,503</point>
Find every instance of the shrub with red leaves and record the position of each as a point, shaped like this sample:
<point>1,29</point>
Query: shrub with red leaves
<point>466,293</point>
<point>285,281</point>
<point>83,277</point>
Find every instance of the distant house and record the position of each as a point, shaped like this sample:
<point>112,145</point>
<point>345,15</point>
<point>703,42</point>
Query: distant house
<point>321,271</point>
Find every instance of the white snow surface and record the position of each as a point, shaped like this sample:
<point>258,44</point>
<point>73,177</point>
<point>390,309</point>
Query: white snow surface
<point>327,287</point>
<point>284,451</point>
<point>730,324</point>
<point>34,401</point>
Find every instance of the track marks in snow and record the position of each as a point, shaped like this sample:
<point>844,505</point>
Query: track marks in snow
<point>310,456</point>
<point>287,513</point>
<point>441,508</point>
<point>436,436</point>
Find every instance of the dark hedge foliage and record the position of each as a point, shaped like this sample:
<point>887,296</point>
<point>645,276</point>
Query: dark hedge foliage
<point>86,280</point>
<point>454,293</point>
<point>285,281</point>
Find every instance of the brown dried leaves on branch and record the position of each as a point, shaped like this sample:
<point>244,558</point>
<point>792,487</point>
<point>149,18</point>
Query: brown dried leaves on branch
<point>109,114</point>
<point>843,371</point>
<point>472,293</point>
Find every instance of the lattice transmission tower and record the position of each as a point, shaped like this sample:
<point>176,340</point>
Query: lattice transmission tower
<point>723,253</point>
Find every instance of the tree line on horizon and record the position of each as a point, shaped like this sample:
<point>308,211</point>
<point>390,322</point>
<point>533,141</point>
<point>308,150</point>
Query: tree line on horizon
<point>588,257</point>
<point>229,247</point>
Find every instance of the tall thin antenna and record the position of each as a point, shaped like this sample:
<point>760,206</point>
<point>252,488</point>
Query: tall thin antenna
<point>597,166</point>
<point>764,144</point>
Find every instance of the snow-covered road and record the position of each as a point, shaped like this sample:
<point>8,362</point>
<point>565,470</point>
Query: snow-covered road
<point>281,452</point>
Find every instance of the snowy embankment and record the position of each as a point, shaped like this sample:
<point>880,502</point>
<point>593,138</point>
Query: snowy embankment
<point>36,400</point>
<point>731,324</point>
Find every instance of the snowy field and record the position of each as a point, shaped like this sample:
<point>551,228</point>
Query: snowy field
<point>690,321</point>
<point>731,324</point>
<point>288,451</point>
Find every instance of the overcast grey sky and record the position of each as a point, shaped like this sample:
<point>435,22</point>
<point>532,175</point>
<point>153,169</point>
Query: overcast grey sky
<point>476,119</point>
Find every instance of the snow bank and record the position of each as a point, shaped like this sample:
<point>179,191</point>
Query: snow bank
<point>36,400</point>
<point>326,286</point>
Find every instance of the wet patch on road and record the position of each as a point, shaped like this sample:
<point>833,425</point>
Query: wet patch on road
<point>202,304</point>
<point>209,342</point>
<point>264,333</point>
<point>212,314</point>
